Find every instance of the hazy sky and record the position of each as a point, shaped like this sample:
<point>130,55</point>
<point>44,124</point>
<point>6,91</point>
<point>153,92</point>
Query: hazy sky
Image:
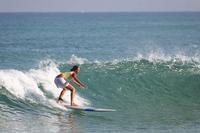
<point>98,5</point>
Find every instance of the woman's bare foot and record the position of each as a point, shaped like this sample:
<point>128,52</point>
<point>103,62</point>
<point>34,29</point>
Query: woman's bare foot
<point>60,100</point>
<point>73,104</point>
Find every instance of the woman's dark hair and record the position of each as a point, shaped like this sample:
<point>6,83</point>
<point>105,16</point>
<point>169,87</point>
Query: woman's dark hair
<point>74,68</point>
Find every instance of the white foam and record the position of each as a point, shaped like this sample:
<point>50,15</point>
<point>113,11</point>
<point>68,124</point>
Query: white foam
<point>20,84</point>
<point>77,60</point>
<point>158,55</point>
<point>153,55</point>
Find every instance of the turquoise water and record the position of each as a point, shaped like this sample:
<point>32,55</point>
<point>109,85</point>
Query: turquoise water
<point>144,65</point>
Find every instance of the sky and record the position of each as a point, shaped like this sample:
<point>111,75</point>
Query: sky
<point>98,5</point>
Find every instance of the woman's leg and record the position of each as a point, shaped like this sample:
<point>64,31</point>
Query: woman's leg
<point>73,91</point>
<point>61,94</point>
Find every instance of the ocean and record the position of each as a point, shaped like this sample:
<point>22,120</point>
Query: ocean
<point>144,65</point>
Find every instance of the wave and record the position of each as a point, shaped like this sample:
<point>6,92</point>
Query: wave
<point>138,83</point>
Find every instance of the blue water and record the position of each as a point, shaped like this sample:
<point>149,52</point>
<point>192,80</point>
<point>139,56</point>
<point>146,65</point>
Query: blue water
<point>144,65</point>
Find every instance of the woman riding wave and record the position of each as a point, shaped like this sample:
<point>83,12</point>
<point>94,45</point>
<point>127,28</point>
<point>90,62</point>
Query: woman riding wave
<point>62,81</point>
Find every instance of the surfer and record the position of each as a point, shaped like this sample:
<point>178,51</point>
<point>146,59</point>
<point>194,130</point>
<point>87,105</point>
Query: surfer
<point>62,81</point>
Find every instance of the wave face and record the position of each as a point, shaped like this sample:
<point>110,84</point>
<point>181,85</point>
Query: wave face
<point>144,87</point>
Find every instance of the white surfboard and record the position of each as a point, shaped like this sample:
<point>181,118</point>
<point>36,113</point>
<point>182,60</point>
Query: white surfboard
<point>90,109</point>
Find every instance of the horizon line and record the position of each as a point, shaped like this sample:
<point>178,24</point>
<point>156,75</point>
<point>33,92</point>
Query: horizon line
<point>99,11</point>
